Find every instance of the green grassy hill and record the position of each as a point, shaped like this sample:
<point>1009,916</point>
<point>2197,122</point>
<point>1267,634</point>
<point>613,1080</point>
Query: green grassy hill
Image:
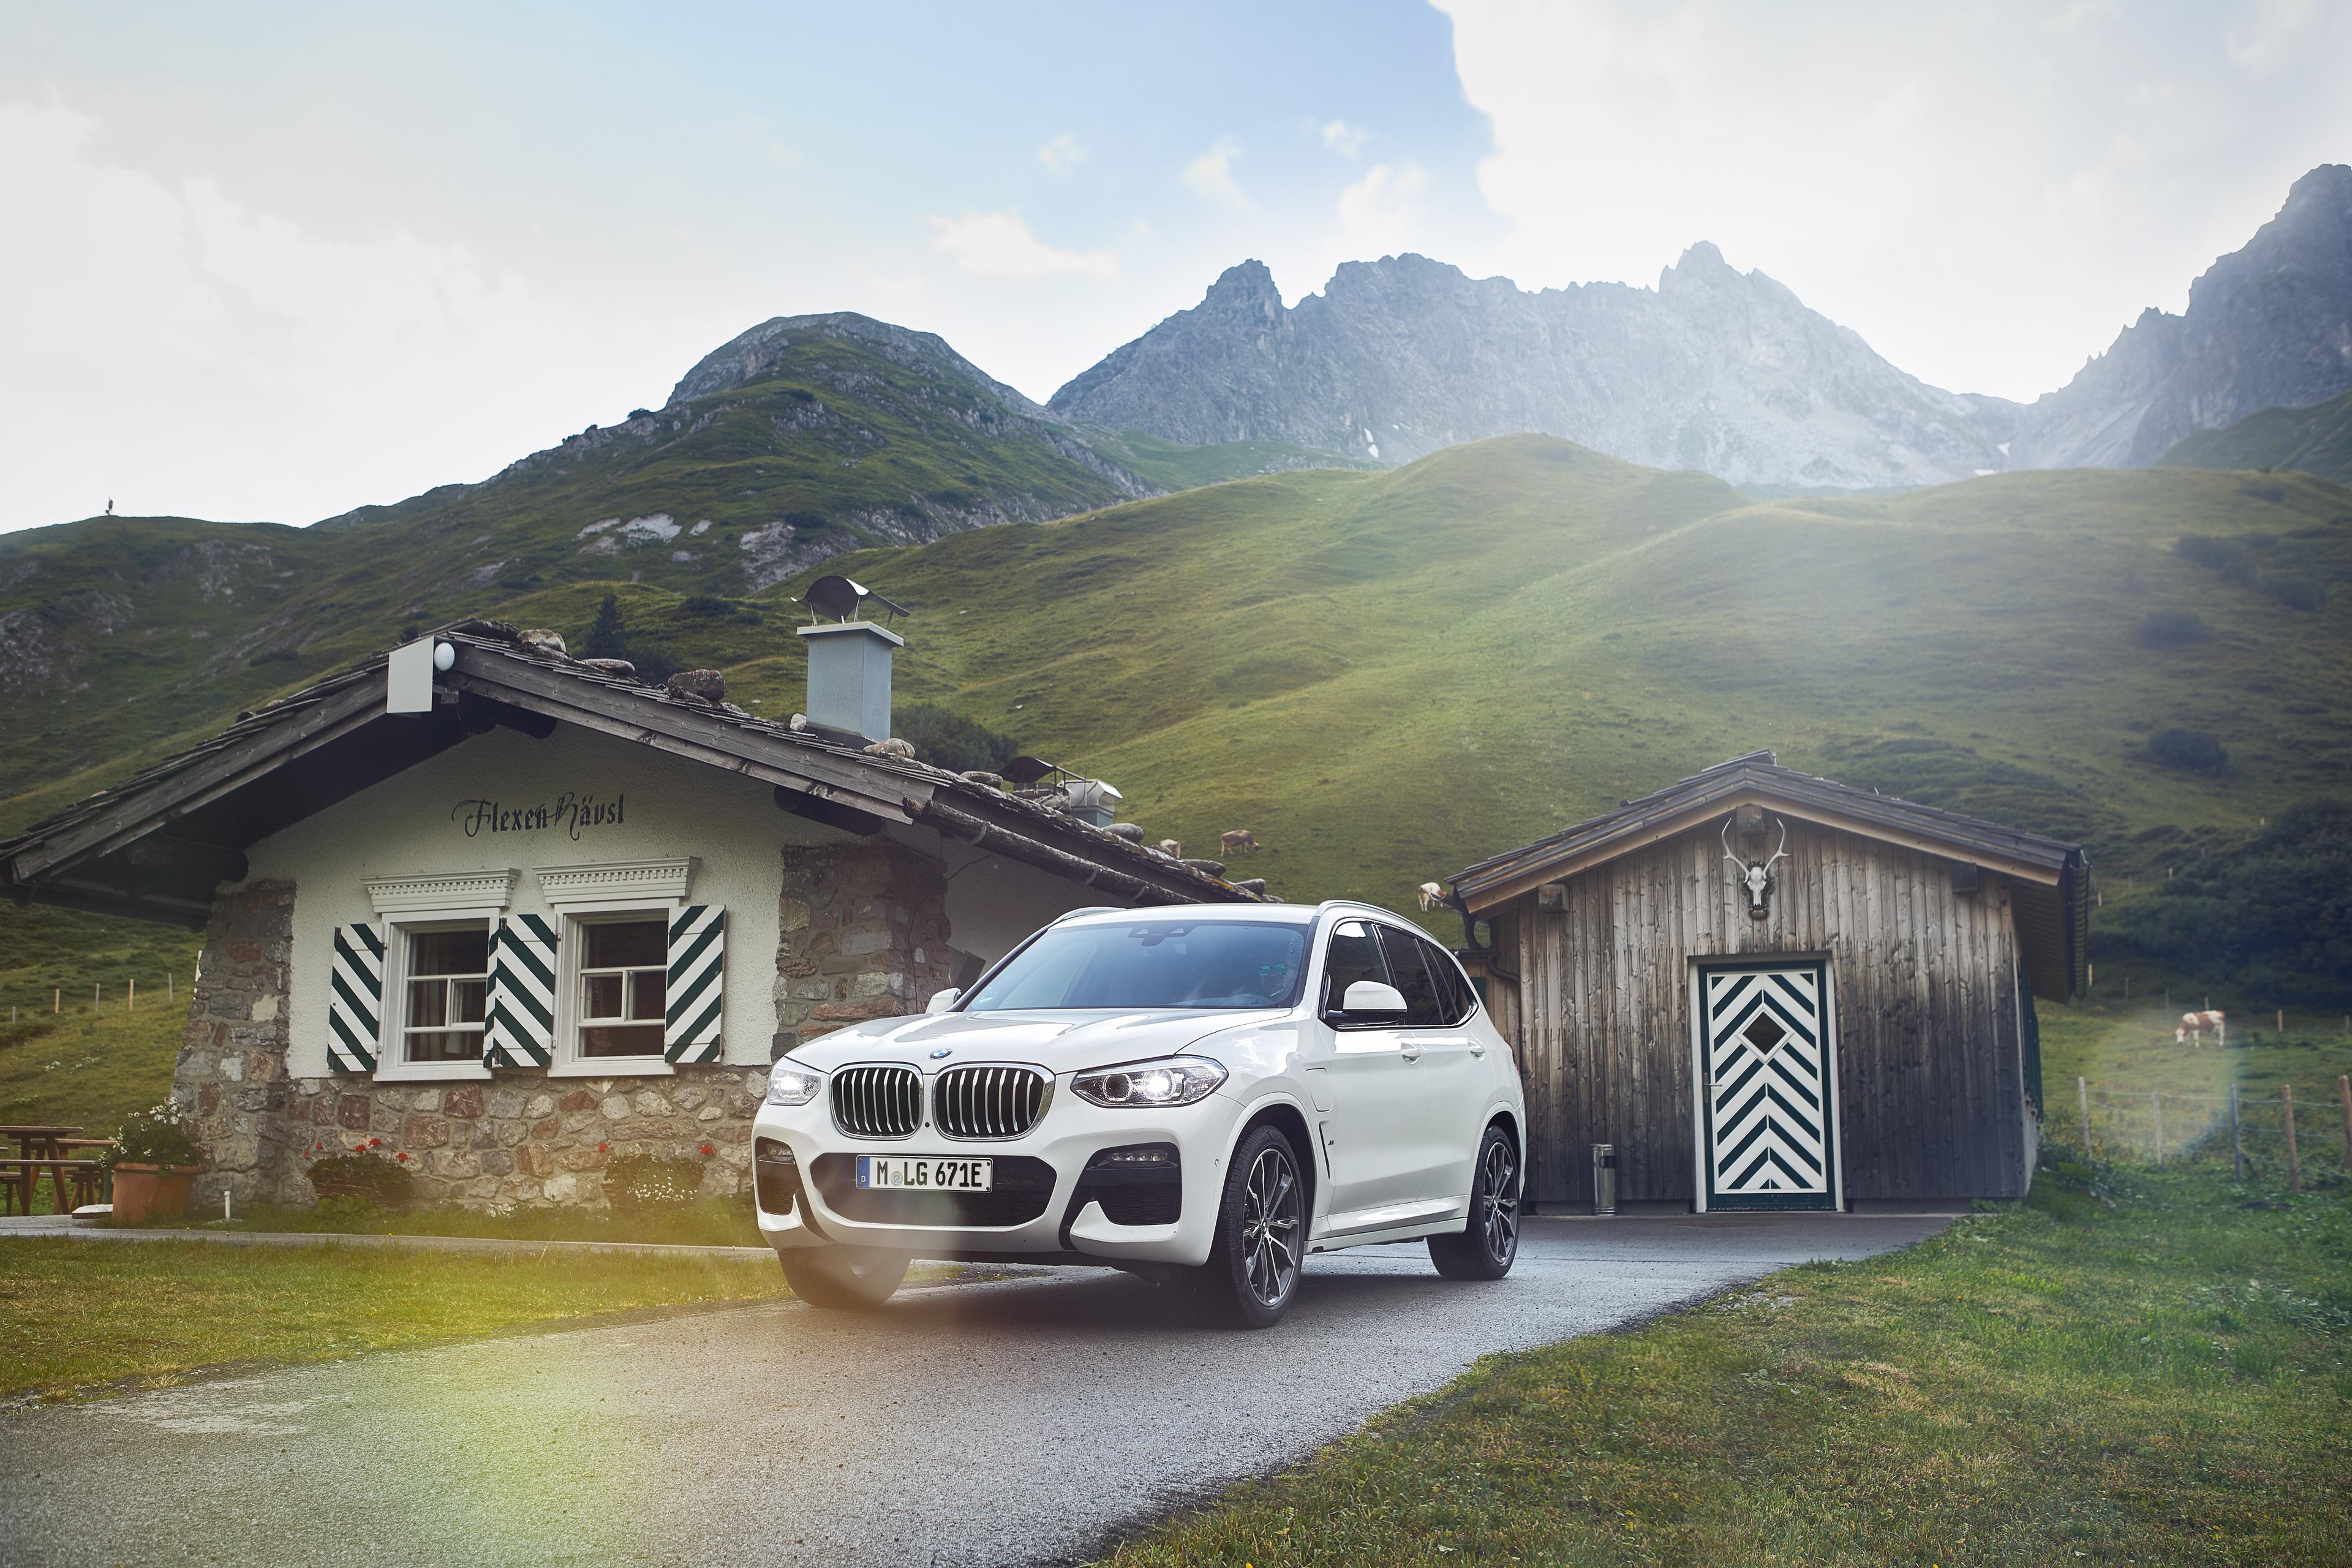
<point>124,637</point>
<point>2315,440</point>
<point>1388,675</point>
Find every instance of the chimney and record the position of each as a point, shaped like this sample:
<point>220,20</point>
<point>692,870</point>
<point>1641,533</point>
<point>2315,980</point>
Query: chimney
<point>849,676</point>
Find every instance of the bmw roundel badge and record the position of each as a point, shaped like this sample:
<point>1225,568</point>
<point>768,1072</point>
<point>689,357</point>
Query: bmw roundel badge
<point>942,1051</point>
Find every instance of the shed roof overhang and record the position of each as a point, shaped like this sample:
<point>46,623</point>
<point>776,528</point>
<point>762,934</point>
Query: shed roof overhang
<point>2047,876</point>
<point>157,845</point>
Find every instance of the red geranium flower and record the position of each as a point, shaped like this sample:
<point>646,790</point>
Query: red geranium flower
<point>318,1145</point>
<point>401,1157</point>
<point>602,1147</point>
<point>707,1149</point>
<point>375,1142</point>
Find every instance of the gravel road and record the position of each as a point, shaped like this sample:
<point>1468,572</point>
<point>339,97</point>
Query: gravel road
<point>1023,1421</point>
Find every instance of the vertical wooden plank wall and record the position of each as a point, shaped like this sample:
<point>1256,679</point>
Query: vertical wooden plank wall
<point>1931,1075</point>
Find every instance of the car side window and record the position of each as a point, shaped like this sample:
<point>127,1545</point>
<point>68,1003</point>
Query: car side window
<point>1353,955</point>
<point>1460,1001</point>
<point>1425,1002</point>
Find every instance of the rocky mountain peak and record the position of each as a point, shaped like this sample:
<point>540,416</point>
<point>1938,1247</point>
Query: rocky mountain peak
<point>2267,325</point>
<point>1716,369</point>
<point>1246,290</point>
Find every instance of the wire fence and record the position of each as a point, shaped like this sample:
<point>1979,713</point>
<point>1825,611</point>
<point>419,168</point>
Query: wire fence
<point>122,995</point>
<point>2277,1136</point>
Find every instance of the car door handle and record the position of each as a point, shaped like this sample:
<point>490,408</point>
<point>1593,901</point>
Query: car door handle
<point>1410,1053</point>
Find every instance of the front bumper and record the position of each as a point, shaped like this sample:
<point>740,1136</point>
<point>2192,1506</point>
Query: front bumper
<point>1051,1158</point>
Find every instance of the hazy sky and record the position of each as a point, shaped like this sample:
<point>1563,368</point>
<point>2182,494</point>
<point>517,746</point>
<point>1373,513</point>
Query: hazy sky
<point>276,261</point>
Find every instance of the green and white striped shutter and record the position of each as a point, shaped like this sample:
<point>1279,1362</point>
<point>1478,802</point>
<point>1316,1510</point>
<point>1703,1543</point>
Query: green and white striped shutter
<point>520,1030</point>
<point>355,1000</point>
<point>698,963</point>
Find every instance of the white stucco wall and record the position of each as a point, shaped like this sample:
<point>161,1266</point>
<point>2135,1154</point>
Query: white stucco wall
<point>413,824</point>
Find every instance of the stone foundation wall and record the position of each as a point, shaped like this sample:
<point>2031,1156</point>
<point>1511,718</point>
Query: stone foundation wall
<point>864,935</point>
<point>529,1140</point>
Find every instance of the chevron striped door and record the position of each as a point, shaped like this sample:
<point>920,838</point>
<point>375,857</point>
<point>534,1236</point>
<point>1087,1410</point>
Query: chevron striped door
<point>1767,1095</point>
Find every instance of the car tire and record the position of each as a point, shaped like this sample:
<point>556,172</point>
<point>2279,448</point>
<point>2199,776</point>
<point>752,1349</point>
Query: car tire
<point>1252,1274</point>
<point>1487,1244</point>
<point>843,1279</point>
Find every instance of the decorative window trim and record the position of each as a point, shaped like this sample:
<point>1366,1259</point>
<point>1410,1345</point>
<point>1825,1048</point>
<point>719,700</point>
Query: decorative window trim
<point>571,945</point>
<point>616,884</point>
<point>391,1063</point>
<point>457,895</point>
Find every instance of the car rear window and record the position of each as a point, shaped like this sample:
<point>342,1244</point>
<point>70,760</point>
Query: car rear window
<point>1151,963</point>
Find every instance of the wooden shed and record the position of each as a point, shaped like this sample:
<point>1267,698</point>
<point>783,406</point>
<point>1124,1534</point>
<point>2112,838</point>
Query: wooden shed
<point>1767,990</point>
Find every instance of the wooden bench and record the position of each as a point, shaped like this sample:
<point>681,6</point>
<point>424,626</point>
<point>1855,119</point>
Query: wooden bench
<point>72,1183</point>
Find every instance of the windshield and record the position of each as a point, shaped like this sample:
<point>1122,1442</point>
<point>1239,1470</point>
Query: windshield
<point>1151,963</point>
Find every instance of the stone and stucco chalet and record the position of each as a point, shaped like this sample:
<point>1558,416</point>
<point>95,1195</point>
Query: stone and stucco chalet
<point>516,915</point>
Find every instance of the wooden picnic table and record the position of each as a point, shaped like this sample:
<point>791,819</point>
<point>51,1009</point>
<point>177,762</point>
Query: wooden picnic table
<point>43,1147</point>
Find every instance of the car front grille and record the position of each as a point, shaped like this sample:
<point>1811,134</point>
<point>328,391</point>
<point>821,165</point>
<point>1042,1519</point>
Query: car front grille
<point>988,1103</point>
<point>877,1101</point>
<point>1023,1187</point>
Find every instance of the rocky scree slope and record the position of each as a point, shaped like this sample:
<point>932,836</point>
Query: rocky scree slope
<point>1719,370</point>
<point>1716,369</point>
<point>2313,440</point>
<point>2269,325</point>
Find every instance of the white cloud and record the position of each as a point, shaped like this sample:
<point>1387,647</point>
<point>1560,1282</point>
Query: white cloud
<point>1918,173</point>
<point>1062,154</point>
<point>1343,138</point>
<point>2266,34</point>
<point>1000,245</point>
<point>191,354</point>
<point>1380,213</point>
<point>1210,176</point>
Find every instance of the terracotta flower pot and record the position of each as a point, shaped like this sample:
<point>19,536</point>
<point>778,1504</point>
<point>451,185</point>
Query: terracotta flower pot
<point>141,1191</point>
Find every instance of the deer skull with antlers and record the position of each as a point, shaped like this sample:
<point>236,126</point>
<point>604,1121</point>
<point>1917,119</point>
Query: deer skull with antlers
<point>1756,876</point>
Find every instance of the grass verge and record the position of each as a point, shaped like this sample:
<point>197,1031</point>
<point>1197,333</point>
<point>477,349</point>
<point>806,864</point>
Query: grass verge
<point>708,1222</point>
<point>2161,1379</point>
<point>75,1314</point>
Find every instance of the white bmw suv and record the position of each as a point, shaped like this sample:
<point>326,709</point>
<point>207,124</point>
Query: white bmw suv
<point>1202,1095</point>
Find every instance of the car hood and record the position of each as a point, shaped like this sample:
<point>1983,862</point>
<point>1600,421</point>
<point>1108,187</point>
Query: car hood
<point>1057,1041</point>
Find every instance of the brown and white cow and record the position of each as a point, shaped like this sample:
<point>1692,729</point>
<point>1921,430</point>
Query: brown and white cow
<point>2196,1024</point>
<point>1238,841</point>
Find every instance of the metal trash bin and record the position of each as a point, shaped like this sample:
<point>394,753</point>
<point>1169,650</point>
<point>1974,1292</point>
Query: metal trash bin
<point>1604,1178</point>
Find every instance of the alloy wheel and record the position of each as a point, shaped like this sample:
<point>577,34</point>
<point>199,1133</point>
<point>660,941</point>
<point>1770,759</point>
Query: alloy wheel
<point>1271,1210</point>
<point>1501,1218</point>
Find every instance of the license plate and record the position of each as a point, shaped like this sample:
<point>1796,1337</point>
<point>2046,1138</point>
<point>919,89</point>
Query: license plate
<point>925,1172</point>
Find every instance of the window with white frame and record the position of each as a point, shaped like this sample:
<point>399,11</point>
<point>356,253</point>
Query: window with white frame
<point>445,992</point>
<point>620,985</point>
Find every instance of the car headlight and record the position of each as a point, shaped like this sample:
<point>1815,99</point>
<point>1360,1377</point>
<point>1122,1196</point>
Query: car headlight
<point>1173,1080</point>
<point>793,1084</point>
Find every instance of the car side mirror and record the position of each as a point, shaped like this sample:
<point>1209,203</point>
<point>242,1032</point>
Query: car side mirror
<point>1371,999</point>
<point>942,1000</point>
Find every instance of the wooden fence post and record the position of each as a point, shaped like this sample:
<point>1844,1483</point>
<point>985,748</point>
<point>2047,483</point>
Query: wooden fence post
<point>2156,1105</point>
<point>2237,1140</point>
<point>58,1000</point>
<point>132,1004</point>
<point>2083,1093</point>
<point>2293,1170</point>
